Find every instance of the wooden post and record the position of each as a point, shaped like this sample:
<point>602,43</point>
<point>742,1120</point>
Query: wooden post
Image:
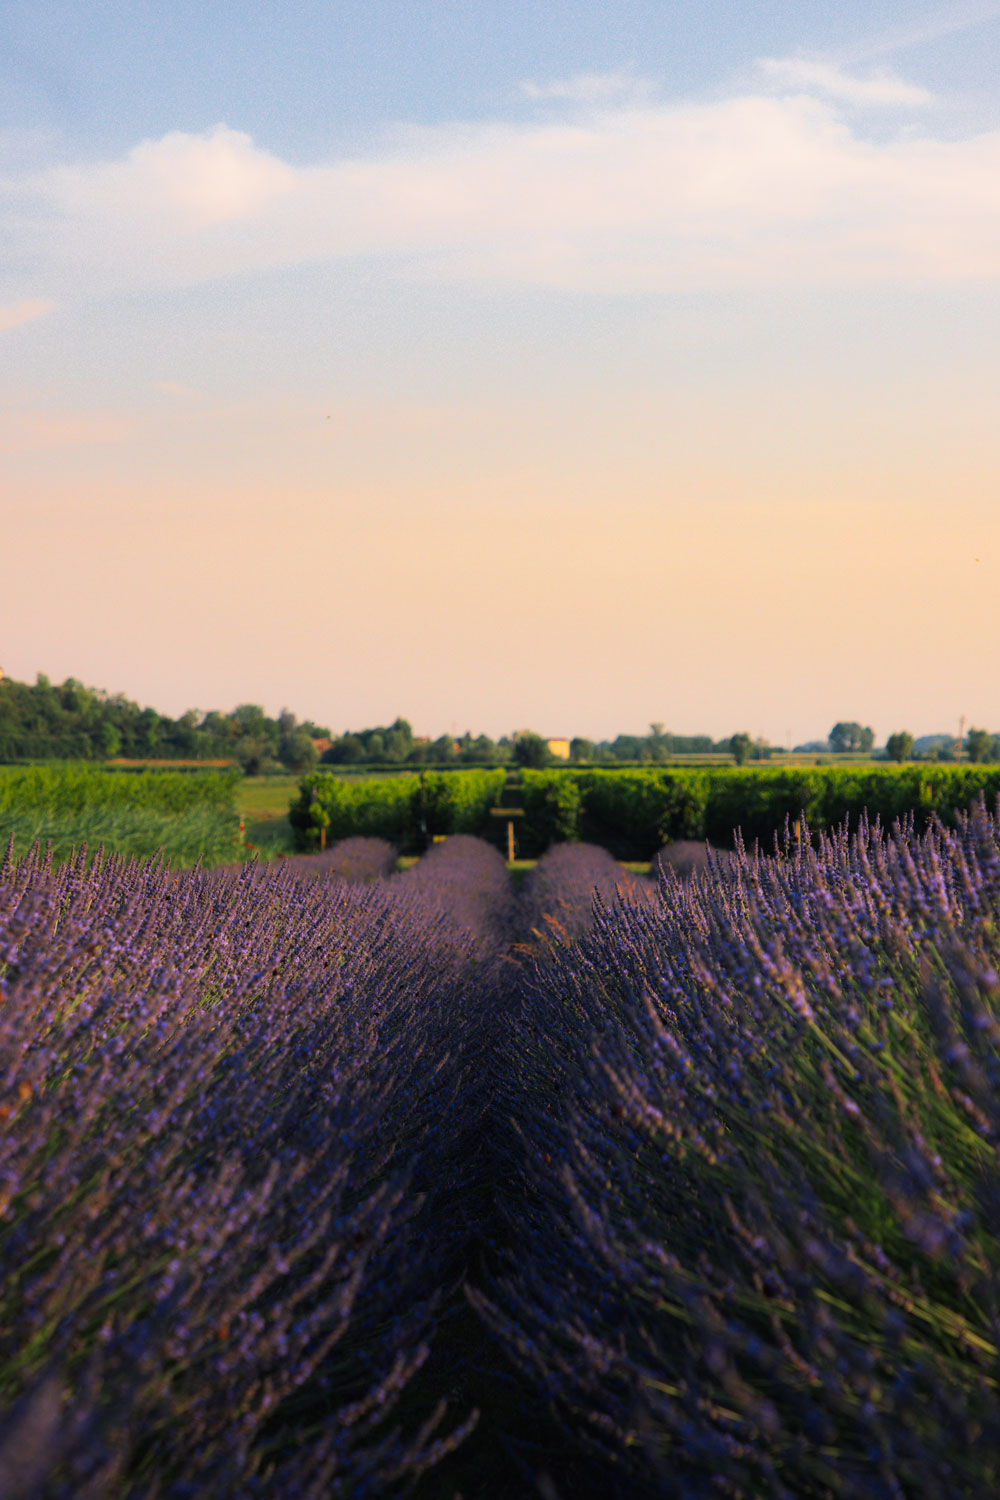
<point>322,838</point>
<point>510,813</point>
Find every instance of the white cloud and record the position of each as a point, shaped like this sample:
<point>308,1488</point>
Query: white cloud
<point>814,75</point>
<point>745,191</point>
<point>15,313</point>
<point>185,182</point>
<point>589,88</point>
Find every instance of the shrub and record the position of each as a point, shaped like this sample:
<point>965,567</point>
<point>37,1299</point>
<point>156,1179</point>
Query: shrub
<point>557,898</point>
<point>228,1108</point>
<point>552,802</point>
<point>754,1198</point>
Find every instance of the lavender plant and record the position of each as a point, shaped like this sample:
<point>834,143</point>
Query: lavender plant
<point>355,859</point>
<point>697,1197</point>
<point>687,857</point>
<point>223,1100</point>
<point>465,880</point>
<point>754,1192</point>
<point>558,895</point>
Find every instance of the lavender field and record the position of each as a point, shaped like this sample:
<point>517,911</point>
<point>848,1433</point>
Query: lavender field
<point>322,1181</point>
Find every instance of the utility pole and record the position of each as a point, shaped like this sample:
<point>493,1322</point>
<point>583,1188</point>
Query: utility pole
<point>961,737</point>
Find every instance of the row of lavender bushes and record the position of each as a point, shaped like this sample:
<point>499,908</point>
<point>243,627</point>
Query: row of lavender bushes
<point>752,1198</point>
<point>715,1159</point>
<point>227,1103</point>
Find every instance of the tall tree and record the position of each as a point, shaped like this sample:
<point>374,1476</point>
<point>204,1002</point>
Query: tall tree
<point>848,734</point>
<point>978,744</point>
<point>899,746</point>
<point>740,746</point>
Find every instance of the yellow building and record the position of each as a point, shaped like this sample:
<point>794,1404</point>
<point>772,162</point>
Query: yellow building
<point>558,749</point>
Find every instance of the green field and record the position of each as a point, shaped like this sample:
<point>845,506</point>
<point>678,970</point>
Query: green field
<point>262,802</point>
<point>187,815</point>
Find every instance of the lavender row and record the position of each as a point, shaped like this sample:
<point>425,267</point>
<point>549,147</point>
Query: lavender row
<point>465,882</point>
<point>226,1104</point>
<point>753,1197</point>
<point>357,860</point>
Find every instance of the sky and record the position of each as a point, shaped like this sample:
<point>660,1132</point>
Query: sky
<point>504,364</point>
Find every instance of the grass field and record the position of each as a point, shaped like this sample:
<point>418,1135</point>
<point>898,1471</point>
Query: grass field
<point>262,802</point>
<point>187,815</point>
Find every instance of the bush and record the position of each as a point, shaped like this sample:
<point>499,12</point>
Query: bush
<point>558,896</point>
<point>406,810</point>
<point>457,801</point>
<point>633,812</point>
<point>552,802</point>
<point>753,1188</point>
<point>531,750</point>
<point>229,1110</point>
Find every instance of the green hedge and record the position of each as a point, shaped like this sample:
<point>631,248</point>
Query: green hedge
<point>408,810</point>
<point>553,804</point>
<point>633,812</point>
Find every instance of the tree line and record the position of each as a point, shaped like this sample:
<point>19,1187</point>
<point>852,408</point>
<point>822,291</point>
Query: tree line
<point>42,721</point>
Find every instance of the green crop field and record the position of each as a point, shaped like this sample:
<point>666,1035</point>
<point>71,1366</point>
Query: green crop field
<point>188,815</point>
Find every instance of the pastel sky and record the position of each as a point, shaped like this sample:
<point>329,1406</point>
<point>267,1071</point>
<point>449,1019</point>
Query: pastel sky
<point>505,362</point>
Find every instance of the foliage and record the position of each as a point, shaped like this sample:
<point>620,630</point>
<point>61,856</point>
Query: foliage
<point>635,811</point>
<point>77,789</point>
<point>202,835</point>
<point>632,812</point>
<point>740,746</point>
<point>450,802</point>
<point>188,816</point>
<point>395,744</point>
<point>73,722</point>
<point>850,735</point>
<point>658,745</point>
<point>979,745</point>
<point>375,808</point>
<point>406,810</point>
<point>531,750</point>
<point>899,746</point>
<point>552,802</point>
